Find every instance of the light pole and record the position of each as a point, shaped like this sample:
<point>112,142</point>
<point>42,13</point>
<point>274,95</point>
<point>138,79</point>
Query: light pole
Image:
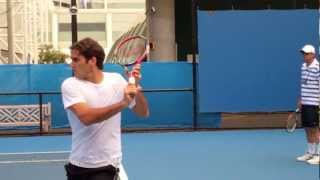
<point>74,27</point>
<point>194,7</point>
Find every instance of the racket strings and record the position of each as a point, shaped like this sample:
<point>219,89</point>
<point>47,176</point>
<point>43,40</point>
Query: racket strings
<point>129,52</point>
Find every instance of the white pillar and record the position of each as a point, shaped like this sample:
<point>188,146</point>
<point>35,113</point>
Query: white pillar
<point>54,30</point>
<point>105,4</point>
<point>35,20</point>
<point>25,28</point>
<point>109,31</point>
<point>46,29</point>
<point>10,33</point>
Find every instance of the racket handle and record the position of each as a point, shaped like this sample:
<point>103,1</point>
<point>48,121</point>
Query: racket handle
<point>131,80</point>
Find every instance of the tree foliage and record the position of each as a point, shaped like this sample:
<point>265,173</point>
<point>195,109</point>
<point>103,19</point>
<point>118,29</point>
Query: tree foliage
<point>48,55</point>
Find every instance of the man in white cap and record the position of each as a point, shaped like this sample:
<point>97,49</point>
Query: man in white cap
<point>309,103</point>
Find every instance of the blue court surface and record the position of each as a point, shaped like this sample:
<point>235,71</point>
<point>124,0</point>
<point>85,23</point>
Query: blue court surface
<point>214,155</point>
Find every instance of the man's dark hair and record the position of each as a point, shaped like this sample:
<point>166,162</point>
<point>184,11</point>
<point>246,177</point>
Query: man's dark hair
<point>89,48</point>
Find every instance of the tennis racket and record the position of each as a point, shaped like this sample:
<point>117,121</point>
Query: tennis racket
<point>293,120</point>
<point>130,51</point>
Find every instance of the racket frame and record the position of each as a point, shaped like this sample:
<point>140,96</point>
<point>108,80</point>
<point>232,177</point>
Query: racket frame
<point>295,114</point>
<point>138,60</point>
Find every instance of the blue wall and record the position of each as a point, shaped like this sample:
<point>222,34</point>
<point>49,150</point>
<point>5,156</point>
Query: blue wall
<point>250,60</point>
<point>168,109</point>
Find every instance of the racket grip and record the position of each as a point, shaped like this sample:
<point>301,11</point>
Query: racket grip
<point>131,80</point>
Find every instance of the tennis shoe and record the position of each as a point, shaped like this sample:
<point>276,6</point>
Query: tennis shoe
<point>315,160</point>
<point>305,157</point>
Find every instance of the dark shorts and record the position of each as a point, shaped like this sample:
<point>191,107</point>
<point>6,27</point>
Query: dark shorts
<point>310,116</point>
<point>101,173</point>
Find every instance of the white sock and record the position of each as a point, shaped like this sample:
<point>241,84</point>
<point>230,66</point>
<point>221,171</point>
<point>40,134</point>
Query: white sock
<point>317,149</point>
<point>311,149</point>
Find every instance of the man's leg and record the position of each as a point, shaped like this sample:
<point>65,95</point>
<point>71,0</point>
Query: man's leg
<point>310,133</point>
<point>307,117</point>
<point>314,136</point>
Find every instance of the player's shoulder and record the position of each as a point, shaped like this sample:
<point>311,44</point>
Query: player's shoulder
<point>113,75</point>
<point>68,80</point>
<point>71,81</point>
<point>315,65</point>
<point>317,62</point>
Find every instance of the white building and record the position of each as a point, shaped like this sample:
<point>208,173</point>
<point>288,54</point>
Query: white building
<point>40,22</point>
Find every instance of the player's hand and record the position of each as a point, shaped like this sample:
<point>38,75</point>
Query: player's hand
<point>136,73</point>
<point>129,93</point>
<point>299,104</point>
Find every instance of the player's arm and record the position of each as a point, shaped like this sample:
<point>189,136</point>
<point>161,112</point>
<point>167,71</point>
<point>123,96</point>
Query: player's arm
<point>141,107</point>
<point>88,115</point>
<point>74,101</point>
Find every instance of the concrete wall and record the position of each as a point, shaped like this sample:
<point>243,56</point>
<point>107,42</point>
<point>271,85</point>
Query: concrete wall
<point>162,29</point>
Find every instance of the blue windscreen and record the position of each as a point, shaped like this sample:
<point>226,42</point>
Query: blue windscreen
<point>168,109</point>
<point>250,60</point>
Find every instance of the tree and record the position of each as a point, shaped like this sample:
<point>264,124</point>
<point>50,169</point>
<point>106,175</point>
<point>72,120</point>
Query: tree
<point>48,55</point>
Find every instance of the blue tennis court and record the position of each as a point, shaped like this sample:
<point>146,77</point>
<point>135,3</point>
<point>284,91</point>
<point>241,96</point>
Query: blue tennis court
<point>223,68</point>
<point>223,155</point>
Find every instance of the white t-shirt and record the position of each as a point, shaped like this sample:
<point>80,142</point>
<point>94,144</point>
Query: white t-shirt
<point>98,144</point>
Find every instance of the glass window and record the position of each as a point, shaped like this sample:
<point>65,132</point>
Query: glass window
<point>90,4</point>
<point>62,3</point>
<point>140,5</point>
<point>93,30</point>
<point>87,27</point>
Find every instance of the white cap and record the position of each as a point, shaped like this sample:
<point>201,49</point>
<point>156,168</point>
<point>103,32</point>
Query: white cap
<point>308,49</point>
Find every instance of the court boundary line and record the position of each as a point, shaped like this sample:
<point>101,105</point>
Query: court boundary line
<point>33,161</point>
<point>5,162</point>
<point>30,153</point>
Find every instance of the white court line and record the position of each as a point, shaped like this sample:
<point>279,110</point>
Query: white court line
<point>34,161</point>
<point>30,153</point>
